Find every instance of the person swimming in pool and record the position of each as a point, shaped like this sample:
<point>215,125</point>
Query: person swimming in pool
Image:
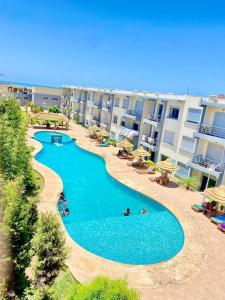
<point>143,211</point>
<point>127,212</point>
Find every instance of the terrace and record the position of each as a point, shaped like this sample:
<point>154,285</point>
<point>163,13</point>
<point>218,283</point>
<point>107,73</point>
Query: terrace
<point>211,133</point>
<point>149,143</point>
<point>132,114</point>
<point>152,119</point>
<point>203,164</point>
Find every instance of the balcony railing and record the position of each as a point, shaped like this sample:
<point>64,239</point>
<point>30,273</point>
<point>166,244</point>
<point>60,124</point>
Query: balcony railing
<point>151,141</point>
<point>134,113</point>
<point>97,104</point>
<point>152,117</point>
<point>208,163</point>
<point>107,106</point>
<point>211,130</point>
<point>96,118</point>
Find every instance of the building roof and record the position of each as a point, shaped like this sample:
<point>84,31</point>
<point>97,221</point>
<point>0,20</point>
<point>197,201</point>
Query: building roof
<point>46,116</point>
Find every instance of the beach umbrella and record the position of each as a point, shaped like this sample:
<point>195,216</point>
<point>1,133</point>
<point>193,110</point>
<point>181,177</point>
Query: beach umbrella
<point>94,128</point>
<point>103,133</point>
<point>216,194</point>
<point>141,152</point>
<point>125,144</point>
<point>167,165</point>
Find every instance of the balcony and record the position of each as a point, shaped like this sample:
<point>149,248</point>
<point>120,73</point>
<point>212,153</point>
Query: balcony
<point>95,119</point>
<point>104,124</point>
<point>211,134</point>
<point>151,119</point>
<point>97,105</point>
<point>128,132</point>
<point>206,165</point>
<point>106,107</point>
<point>149,143</point>
<point>132,114</point>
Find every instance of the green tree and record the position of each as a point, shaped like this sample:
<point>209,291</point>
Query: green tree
<point>102,288</point>
<point>190,182</point>
<point>48,247</point>
<point>19,219</point>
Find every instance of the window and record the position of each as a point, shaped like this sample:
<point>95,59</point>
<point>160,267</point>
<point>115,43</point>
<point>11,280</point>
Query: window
<point>173,113</point>
<point>183,170</point>
<point>115,118</point>
<point>55,99</point>
<point>45,98</point>
<point>88,96</point>
<point>135,126</point>
<point>194,115</point>
<point>126,102</point>
<point>187,144</point>
<point>117,102</point>
<point>168,137</point>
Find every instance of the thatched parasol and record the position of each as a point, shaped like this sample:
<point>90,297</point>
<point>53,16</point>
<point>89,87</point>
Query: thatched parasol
<point>167,165</point>
<point>125,144</point>
<point>103,133</point>
<point>141,152</point>
<point>216,194</point>
<point>94,128</point>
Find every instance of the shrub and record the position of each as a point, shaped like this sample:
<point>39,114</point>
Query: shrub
<point>102,288</point>
<point>48,247</point>
<point>53,109</point>
<point>190,182</point>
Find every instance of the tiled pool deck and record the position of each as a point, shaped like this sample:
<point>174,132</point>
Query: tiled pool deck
<point>197,272</point>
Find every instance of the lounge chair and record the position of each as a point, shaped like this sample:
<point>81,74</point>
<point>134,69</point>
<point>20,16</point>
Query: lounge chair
<point>220,219</point>
<point>104,144</point>
<point>162,179</point>
<point>198,207</point>
<point>221,227</point>
<point>150,170</point>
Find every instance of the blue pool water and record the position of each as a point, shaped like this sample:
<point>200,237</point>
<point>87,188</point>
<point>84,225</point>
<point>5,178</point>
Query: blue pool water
<point>96,202</point>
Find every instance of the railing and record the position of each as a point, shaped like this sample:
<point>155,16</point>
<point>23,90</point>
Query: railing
<point>208,163</point>
<point>152,117</point>
<point>211,130</point>
<point>106,105</point>
<point>96,118</point>
<point>151,141</point>
<point>97,104</point>
<point>133,113</point>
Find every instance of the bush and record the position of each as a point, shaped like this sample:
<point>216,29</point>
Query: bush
<point>190,182</point>
<point>48,247</point>
<point>102,288</point>
<point>54,109</point>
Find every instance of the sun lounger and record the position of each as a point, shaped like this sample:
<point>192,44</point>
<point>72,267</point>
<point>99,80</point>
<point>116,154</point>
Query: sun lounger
<point>221,227</point>
<point>150,170</point>
<point>218,219</point>
<point>105,144</point>
<point>198,207</point>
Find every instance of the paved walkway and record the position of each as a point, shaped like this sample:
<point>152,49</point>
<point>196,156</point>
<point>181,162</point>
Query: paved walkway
<point>197,272</point>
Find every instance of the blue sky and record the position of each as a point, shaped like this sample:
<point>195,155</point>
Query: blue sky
<point>144,45</point>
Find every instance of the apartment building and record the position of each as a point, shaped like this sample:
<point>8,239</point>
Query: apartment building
<point>208,161</point>
<point>39,95</point>
<point>166,125</point>
<point>22,92</point>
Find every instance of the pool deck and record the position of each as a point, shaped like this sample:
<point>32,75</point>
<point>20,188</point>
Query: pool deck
<point>196,272</point>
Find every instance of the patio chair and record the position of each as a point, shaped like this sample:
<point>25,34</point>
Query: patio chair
<point>104,144</point>
<point>162,179</point>
<point>221,227</point>
<point>198,207</point>
<point>150,170</point>
<point>220,219</point>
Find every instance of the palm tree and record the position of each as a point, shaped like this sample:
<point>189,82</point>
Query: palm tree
<point>190,182</point>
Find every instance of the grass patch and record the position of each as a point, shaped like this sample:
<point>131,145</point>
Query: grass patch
<point>39,181</point>
<point>63,284</point>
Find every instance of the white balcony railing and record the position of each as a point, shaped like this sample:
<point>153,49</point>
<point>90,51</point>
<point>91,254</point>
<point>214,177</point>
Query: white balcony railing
<point>208,163</point>
<point>212,130</point>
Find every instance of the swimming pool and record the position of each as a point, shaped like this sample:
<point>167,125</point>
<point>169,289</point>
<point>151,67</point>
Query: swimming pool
<point>96,202</point>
